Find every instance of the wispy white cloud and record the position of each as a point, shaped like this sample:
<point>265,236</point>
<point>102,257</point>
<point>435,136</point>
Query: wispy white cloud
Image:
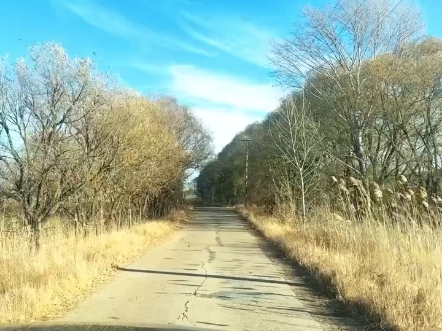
<point>232,35</point>
<point>226,104</point>
<point>146,67</point>
<point>224,123</point>
<point>102,18</point>
<point>118,25</point>
<point>194,83</point>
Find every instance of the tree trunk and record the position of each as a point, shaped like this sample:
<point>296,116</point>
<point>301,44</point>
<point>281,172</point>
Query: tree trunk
<point>36,233</point>
<point>303,196</point>
<point>359,152</point>
<point>101,218</point>
<point>76,223</point>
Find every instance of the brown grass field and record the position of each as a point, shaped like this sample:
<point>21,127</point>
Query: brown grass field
<point>393,271</point>
<point>41,285</point>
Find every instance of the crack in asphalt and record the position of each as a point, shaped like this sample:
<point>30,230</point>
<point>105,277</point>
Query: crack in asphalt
<point>219,241</point>
<point>195,293</point>
<point>212,254</point>
<point>183,316</point>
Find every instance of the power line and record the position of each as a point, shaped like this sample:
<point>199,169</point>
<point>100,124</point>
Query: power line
<point>354,14</point>
<point>377,25</point>
<point>390,12</point>
<point>333,10</point>
<point>328,17</point>
<point>383,19</point>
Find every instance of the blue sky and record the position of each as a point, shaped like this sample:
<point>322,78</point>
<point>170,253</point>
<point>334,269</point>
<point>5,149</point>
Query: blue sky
<point>210,54</point>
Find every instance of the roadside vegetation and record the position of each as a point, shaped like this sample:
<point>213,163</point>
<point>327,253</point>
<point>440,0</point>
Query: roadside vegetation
<point>44,285</point>
<point>390,271</point>
<point>346,174</point>
<point>86,165</point>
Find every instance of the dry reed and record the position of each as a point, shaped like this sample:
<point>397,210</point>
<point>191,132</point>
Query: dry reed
<point>40,285</point>
<point>392,269</point>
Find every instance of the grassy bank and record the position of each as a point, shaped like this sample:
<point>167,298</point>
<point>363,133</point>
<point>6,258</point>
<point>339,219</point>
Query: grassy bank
<point>394,273</point>
<point>41,285</point>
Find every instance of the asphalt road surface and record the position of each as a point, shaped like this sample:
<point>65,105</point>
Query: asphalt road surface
<point>214,274</point>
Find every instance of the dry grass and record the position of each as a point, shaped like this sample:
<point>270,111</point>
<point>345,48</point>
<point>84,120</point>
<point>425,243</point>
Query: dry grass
<point>394,272</point>
<point>40,285</point>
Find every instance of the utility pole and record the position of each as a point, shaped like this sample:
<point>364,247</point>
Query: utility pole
<point>246,140</point>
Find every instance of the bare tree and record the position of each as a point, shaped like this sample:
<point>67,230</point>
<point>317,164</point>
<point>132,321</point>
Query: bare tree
<point>325,55</point>
<point>74,143</point>
<point>298,141</point>
<point>405,129</point>
<point>47,145</point>
<point>191,134</point>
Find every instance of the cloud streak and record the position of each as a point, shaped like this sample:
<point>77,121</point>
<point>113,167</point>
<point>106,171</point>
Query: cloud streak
<point>231,35</point>
<point>118,25</point>
<point>194,83</point>
<point>226,104</point>
<point>224,123</point>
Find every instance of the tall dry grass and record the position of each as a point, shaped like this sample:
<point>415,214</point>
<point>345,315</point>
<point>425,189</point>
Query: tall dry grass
<point>40,285</point>
<point>393,271</point>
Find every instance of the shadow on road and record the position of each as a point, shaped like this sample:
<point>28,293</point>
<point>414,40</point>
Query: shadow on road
<point>315,294</point>
<point>190,274</point>
<point>95,327</point>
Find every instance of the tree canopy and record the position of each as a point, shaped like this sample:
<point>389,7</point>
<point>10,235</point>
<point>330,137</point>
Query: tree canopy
<point>365,102</point>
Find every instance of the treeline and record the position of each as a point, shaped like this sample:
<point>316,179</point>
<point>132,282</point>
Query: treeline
<point>365,104</point>
<point>76,144</point>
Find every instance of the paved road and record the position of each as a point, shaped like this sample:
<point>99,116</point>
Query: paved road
<point>213,274</point>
